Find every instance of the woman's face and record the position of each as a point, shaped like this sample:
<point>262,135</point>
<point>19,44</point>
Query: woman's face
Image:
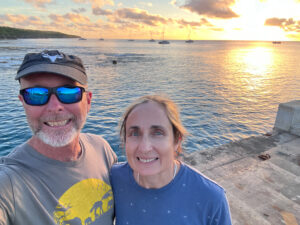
<point>150,144</point>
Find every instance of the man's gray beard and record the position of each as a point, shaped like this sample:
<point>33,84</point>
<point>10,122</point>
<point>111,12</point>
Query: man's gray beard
<point>58,139</point>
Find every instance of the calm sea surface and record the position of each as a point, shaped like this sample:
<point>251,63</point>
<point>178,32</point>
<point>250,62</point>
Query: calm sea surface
<point>226,90</point>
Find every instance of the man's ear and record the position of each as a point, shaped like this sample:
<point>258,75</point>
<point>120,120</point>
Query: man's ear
<point>89,96</point>
<point>21,99</point>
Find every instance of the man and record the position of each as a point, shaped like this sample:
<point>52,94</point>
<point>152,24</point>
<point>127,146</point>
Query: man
<point>59,176</point>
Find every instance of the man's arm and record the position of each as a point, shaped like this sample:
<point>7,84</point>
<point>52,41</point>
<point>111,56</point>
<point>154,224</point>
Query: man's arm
<point>6,198</point>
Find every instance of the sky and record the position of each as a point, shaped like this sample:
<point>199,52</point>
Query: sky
<point>270,20</point>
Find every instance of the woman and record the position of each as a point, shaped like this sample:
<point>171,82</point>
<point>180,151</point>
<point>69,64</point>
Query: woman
<point>154,187</point>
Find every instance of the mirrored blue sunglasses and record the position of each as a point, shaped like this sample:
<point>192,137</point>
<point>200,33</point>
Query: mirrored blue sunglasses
<point>38,96</point>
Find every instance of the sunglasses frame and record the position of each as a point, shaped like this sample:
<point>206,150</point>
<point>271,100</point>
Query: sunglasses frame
<point>51,91</point>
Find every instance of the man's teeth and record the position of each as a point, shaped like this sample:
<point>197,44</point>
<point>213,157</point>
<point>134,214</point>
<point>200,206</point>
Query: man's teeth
<point>147,160</point>
<point>57,124</point>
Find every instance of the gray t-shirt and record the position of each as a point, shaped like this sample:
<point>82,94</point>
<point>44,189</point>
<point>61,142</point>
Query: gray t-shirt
<point>36,190</point>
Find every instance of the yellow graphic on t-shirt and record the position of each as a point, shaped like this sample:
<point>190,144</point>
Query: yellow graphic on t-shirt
<point>84,202</point>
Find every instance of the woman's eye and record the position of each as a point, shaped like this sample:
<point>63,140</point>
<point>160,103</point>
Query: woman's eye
<point>134,133</point>
<point>158,132</point>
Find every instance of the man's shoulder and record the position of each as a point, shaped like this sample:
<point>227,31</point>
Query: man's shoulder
<point>89,136</point>
<point>98,145</point>
<point>5,176</point>
<point>94,139</point>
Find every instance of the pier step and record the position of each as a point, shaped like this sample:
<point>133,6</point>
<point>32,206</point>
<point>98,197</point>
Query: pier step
<point>260,192</point>
<point>244,214</point>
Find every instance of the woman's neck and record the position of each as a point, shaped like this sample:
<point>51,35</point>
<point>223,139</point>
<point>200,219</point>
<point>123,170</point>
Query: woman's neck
<point>158,180</point>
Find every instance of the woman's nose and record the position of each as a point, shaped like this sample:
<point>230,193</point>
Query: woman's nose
<point>145,144</point>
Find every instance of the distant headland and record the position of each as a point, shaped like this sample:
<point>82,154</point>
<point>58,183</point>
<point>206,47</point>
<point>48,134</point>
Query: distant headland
<point>16,33</point>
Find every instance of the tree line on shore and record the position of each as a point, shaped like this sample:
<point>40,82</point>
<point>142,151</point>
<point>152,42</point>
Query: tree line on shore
<point>16,33</point>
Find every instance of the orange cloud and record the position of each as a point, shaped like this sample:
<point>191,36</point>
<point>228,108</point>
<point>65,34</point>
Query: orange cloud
<point>211,8</point>
<point>39,3</point>
<point>57,18</point>
<point>100,3</point>
<point>22,20</point>
<point>15,18</point>
<point>288,25</point>
<point>202,22</point>
<point>140,16</point>
<point>79,10</point>
<point>98,11</point>
<point>96,3</point>
<point>77,18</point>
<point>72,22</point>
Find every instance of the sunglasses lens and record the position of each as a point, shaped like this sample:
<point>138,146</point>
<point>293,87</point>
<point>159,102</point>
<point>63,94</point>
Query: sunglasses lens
<point>68,95</point>
<point>35,95</point>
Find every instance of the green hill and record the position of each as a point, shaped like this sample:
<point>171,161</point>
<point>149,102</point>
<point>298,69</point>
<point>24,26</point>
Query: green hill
<point>14,33</point>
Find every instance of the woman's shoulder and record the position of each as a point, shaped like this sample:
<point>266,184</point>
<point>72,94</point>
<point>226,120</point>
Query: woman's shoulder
<point>120,174</point>
<point>199,180</point>
<point>119,167</point>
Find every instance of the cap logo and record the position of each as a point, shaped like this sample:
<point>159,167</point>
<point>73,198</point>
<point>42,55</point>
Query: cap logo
<point>52,57</point>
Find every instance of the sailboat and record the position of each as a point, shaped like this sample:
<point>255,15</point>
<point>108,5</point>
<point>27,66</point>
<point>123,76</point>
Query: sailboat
<point>189,38</point>
<point>189,41</point>
<point>151,40</point>
<point>163,42</point>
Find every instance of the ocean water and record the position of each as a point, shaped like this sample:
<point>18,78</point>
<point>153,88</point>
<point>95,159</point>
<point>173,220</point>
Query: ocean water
<point>226,90</point>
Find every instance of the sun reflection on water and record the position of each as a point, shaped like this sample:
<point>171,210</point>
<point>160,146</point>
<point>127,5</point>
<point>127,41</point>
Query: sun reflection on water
<point>258,60</point>
<point>248,84</point>
<point>256,64</point>
<point>251,69</point>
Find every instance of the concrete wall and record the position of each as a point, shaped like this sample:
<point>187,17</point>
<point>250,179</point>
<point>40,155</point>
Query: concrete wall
<point>288,117</point>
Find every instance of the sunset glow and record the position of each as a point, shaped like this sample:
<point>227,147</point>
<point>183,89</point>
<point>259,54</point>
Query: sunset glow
<point>270,20</point>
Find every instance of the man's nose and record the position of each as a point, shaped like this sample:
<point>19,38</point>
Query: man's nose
<point>54,104</point>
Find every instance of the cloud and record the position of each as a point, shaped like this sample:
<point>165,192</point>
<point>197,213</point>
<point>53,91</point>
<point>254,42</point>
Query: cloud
<point>202,22</point>
<point>35,20</point>
<point>217,29</point>
<point>70,18</point>
<point>80,10</point>
<point>289,25</point>
<point>74,24</point>
<point>57,19</point>
<point>211,8</point>
<point>15,18</point>
<point>21,20</point>
<point>100,3</point>
<point>96,3</point>
<point>77,18</point>
<point>102,12</point>
<point>39,3</point>
<point>274,22</point>
<point>140,16</point>
<point>69,23</point>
